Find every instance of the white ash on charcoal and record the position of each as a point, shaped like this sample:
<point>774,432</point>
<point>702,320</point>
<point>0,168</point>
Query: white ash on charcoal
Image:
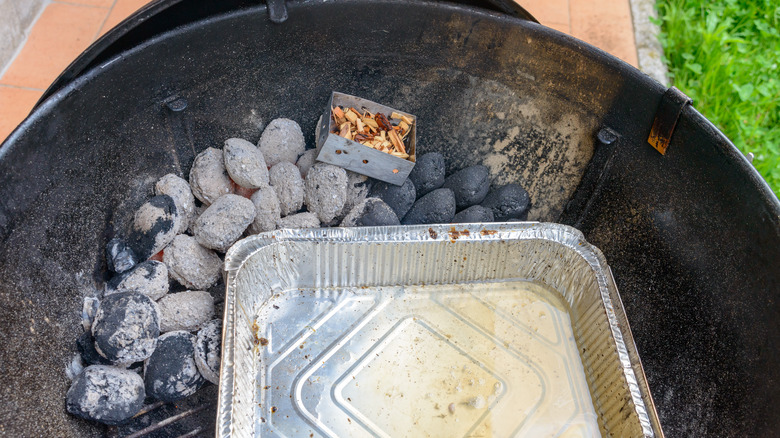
<point>287,182</point>
<point>88,311</point>
<point>170,374</point>
<point>428,173</point>
<point>475,213</point>
<point>437,207</point>
<point>208,177</point>
<point>85,344</point>
<point>510,201</point>
<point>224,221</point>
<point>470,185</point>
<point>126,327</point>
<point>75,367</point>
<point>326,191</point>
<point>306,160</point>
<point>119,256</point>
<point>106,394</point>
<point>185,310</point>
<point>154,226</point>
<point>208,350</point>
<point>267,210</point>
<point>179,190</point>
<point>149,278</point>
<point>399,198</point>
<point>191,264</point>
<point>245,163</point>
<point>300,220</point>
<point>358,187</point>
<point>282,140</point>
<point>372,212</point>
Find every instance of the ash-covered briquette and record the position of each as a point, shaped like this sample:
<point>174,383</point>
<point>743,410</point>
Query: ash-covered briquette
<point>119,256</point>
<point>358,187</point>
<point>282,140</point>
<point>470,185</point>
<point>300,220</point>
<point>326,191</point>
<point>224,222</point>
<point>88,311</point>
<point>267,210</point>
<point>245,163</point>
<point>126,327</point>
<point>150,278</point>
<point>372,212</point>
<point>475,213</point>
<point>428,173</point>
<point>185,310</point>
<point>170,373</point>
<point>106,394</point>
<point>192,265</point>
<point>287,182</point>
<point>306,160</point>
<point>179,190</point>
<point>85,344</point>
<point>208,177</point>
<point>208,348</point>
<point>510,201</point>
<point>399,198</point>
<point>437,207</point>
<point>154,226</point>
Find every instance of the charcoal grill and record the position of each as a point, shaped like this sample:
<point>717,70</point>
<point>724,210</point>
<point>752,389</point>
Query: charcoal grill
<point>693,236</point>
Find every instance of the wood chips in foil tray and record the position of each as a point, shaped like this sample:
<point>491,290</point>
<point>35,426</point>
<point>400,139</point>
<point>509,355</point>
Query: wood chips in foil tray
<point>484,330</point>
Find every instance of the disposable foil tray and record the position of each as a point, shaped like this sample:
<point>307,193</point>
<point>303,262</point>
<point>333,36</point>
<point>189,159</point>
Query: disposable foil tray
<point>483,330</point>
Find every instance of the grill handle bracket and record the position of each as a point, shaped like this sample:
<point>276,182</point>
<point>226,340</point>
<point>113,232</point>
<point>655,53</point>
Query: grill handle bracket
<point>672,103</point>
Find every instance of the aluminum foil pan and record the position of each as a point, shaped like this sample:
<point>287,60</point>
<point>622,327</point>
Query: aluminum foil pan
<point>501,330</point>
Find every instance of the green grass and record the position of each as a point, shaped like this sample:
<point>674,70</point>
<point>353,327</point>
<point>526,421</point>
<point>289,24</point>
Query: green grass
<point>725,55</point>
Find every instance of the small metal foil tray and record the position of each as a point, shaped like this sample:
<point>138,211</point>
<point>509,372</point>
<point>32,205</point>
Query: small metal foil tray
<point>489,330</point>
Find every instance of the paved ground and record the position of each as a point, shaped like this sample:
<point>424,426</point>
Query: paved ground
<point>65,28</point>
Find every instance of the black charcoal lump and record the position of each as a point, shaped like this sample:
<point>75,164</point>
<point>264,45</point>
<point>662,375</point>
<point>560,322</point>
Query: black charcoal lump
<point>287,182</point>
<point>282,140</point>
<point>372,212</point>
<point>170,373</point>
<point>191,264</point>
<point>224,221</point>
<point>106,394</point>
<point>437,207</point>
<point>119,256</point>
<point>470,185</point>
<point>245,163</point>
<point>126,327</point>
<point>208,348</point>
<point>507,202</point>
<point>208,177</point>
<point>475,213</point>
<point>399,198</point>
<point>154,226</point>
<point>150,278</point>
<point>428,173</point>
<point>179,190</point>
<point>85,344</point>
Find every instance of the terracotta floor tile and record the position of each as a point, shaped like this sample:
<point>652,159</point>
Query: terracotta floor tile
<point>548,11</point>
<point>98,3</point>
<point>15,104</point>
<point>607,25</point>
<point>122,9</point>
<point>61,33</point>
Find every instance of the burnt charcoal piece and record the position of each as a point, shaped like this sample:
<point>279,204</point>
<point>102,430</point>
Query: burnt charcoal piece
<point>267,210</point>
<point>179,190</point>
<point>170,373</point>
<point>282,140</point>
<point>508,202</point>
<point>358,187</point>
<point>150,278</point>
<point>154,226</point>
<point>475,213</point>
<point>106,394</point>
<point>86,346</point>
<point>470,185</point>
<point>437,207</point>
<point>372,212</point>
<point>326,191</point>
<point>306,161</point>
<point>208,348</point>
<point>119,256</point>
<point>300,220</point>
<point>208,177</point>
<point>126,327</point>
<point>245,163</point>
<point>191,264</point>
<point>185,310</point>
<point>224,221</point>
<point>287,181</point>
<point>428,173</point>
<point>399,198</point>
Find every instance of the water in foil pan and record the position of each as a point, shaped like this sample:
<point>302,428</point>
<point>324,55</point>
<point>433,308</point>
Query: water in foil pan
<point>483,330</point>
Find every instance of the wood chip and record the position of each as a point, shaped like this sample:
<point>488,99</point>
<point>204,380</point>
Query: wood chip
<point>399,145</point>
<point>374,130</point>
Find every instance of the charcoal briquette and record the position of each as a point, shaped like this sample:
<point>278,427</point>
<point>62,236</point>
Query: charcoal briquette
<point>428,173</point>
<point>150,278</point>
<point>119,256</point>
<point>267,210</point>
<point>208,177</point>
<point>300,220</point>
<point>306,160</point>
<point>282,140</point>
<point>245,163</point>
<point>372,212</point>
<point>106,394</point>
<point>185,310</point>
<point>287,181</point>
<point>170,374</point>
<point>191,264</point>
<point>358,187</point>
<point>475,213</point>
<point>510,201</point>
<point>437,207</point>
<point>126,327</point>
<point>208,350</point>
<point>154,226</point>
<point>470,185</point>
<point>325,191</point>
<point>85,344</point>
<point>224,221</point>
<point>179,190</point>
<point>399,198</point>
